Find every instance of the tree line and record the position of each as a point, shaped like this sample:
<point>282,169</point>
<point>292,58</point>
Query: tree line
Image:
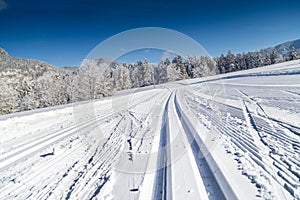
<point>232,62</point>
<point>29,84</point>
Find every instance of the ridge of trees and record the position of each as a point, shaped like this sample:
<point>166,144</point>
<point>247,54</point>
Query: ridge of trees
<point>232,62</point>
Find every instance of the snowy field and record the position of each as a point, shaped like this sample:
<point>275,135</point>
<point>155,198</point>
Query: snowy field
<point>232,136</point>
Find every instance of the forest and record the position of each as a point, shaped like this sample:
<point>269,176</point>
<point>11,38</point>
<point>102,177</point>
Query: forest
<point>29,84</point>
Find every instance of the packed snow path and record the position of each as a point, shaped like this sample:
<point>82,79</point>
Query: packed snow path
<point>233,136</point>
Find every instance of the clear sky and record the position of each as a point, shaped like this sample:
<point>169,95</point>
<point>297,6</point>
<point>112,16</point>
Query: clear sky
<point>63,32</point>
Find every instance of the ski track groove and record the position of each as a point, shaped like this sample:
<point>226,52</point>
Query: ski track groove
<point>211,184</point>
<point>163,174</point>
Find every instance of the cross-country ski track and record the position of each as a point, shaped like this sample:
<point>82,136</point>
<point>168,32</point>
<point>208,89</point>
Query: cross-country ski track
<point>230,136</point>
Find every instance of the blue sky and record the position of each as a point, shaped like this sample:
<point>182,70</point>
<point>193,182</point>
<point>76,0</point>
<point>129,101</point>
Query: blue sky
<point>63,32</point>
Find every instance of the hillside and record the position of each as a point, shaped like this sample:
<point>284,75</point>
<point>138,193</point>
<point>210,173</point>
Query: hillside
<point>28,84</point>
<point>283,48</point>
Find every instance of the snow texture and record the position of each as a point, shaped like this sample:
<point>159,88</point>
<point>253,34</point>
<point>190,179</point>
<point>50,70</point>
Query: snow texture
<point>233,136</point>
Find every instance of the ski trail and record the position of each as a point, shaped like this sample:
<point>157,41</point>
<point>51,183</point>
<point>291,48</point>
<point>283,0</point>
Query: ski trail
<point>198,155</point>
<point>268,159</point>
<point>163,180</point>
<point>187,183</point>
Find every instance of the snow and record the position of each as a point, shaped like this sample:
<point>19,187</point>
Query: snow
<point>234,136</point>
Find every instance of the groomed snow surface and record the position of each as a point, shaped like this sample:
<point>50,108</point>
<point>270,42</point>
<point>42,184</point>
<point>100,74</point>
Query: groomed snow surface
<point>233,136</point>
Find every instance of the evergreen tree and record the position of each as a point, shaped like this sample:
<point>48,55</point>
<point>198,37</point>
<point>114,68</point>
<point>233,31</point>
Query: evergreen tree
<point>181,67</point>
<point>259,60</point>
<point>238,62</point>
<point>275,57</point>
<point>267,60</point>
<point>140,73</point>
<point>167,62</point>
<point>230,62</point>
<point>294,55</point>
<point>221,64</point>
<point>211,66</point>
<point>243,62</point>
<point>250,60</point>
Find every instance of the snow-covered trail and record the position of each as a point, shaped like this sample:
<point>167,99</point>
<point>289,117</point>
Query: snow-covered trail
<point>189,160</point>
<point>259,126</point>
<point>233,136</point>
<point>62,163</point>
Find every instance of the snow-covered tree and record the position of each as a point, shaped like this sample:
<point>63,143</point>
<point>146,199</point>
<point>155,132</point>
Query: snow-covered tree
<point>238,61</point>
<point>173,73</point>
<point>29,84</point>
<point>267,60</point>
<point>294,55</point>
<point>96,80</point>
<point>103,83</point>
<point>167,62</point>
<point>180,66</point>
<point>200,66</point>
<point>148,73</point>
<point>8,96</point>
<point>250,60</point>
<point>230,62</point>
<point>276,57</point>
<point>259,61</point>
<point>125,76</point>
<point>161,74</point>
<point>221,64</point>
